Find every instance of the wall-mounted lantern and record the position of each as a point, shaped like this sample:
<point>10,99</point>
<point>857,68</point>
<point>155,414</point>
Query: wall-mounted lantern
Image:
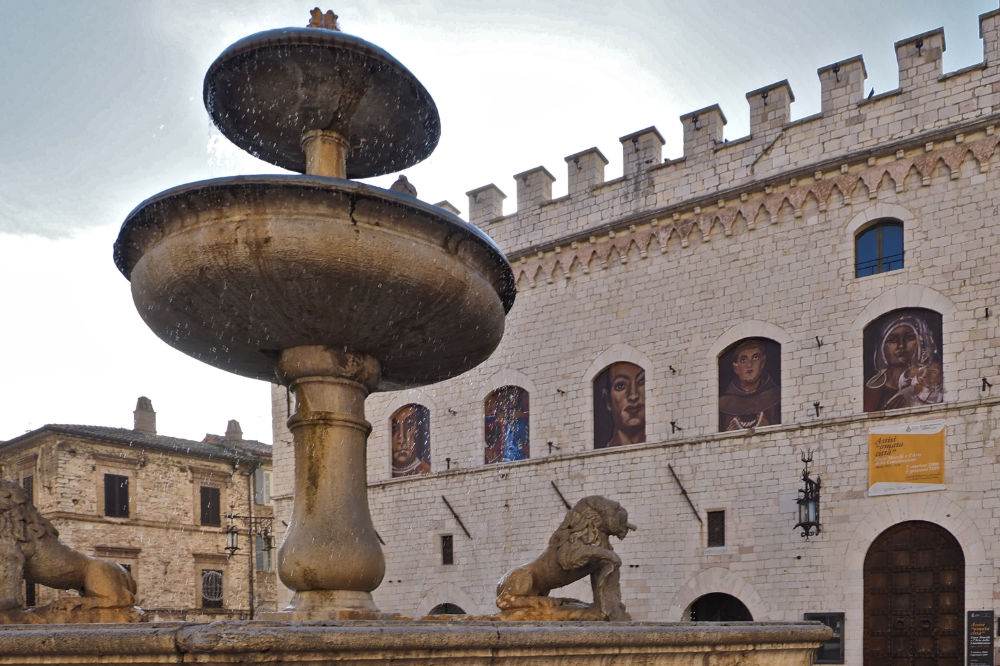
<point>232,536</point>
<point>808,502</point>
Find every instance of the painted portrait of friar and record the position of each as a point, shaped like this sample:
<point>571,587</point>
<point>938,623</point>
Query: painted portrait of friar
<point>750,385</point>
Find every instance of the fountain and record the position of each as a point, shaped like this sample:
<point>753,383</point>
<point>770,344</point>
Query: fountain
<point>331,287</point>
<point>337,289</point>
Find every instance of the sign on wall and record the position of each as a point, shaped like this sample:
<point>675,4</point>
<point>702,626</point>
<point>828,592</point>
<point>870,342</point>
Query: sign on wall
<point>980,637</point>
<point>906,458</point>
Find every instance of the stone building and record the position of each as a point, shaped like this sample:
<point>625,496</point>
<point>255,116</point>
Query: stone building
<point>161,507</point>
<point>686,333</point>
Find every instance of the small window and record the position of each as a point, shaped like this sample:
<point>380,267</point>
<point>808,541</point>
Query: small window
<point>261,486</point>
<point>211,588</point>
<point>116,495</point>
<point>879,248</point>
<point>262,553</point>
<point>716,529</point>
<point>30,593</point>
<point>832,651</point>
<point>210,514</point>
<point>28,483</point>
<point>447,549</point>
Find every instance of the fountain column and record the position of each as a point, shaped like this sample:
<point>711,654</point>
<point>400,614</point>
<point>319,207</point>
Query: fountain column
<point>331,555</point>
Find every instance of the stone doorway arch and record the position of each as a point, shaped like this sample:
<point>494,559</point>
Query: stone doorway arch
<point>718,607</point>
<point>914,596</point>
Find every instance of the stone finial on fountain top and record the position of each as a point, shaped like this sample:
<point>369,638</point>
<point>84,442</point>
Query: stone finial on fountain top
<point>320,20</point>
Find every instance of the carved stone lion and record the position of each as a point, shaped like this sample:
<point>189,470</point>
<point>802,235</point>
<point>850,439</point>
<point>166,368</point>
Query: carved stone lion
<point>30,548</point>
<point>580,547</point>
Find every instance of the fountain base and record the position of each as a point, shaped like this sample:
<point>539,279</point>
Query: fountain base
<point>412,643</point>
<point>328,605</point>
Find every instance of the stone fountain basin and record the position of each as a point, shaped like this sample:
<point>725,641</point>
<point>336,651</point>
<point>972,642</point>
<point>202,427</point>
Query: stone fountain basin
<point>233,270</point>
<point>266,90</point>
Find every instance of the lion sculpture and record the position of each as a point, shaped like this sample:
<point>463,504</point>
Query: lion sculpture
<point>30,549</point>
<point>580,547</point>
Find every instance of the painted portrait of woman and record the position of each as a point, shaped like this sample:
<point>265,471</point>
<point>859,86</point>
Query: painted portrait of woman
<point>903,360</point>
<point>411,440</point>
<point>620,405</point>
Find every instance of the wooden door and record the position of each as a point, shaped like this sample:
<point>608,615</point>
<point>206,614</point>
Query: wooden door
<point>914,600</point>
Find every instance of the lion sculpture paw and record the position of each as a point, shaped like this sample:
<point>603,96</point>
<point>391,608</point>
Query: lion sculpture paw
<point>580,547</point>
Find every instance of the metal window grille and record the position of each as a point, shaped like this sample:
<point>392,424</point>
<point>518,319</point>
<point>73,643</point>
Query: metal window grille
<point>211,588</point>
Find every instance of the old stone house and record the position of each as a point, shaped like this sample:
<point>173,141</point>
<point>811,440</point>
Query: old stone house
<point>160,506</point>
<point>687,332</point>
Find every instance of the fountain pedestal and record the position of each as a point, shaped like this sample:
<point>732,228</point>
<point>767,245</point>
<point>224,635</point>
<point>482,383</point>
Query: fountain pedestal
<point>330,556</point>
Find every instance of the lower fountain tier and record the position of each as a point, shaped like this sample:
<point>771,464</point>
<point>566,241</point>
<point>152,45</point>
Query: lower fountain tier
<point>232,271</point>
<point>416,643</point>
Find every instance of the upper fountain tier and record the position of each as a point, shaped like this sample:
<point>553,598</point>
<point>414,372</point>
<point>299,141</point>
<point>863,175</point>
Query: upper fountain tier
<point>235,271</point>
<point>266,91</point>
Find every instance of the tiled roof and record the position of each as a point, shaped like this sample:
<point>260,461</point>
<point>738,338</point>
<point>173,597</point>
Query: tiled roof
<point>214,446</point>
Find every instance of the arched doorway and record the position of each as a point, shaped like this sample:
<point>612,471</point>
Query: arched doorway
<point>718,607</point>
<point>914,605</point>
<point>447,608</point>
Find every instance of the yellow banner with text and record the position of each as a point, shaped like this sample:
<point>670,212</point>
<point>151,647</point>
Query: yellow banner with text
<point>906,458</point>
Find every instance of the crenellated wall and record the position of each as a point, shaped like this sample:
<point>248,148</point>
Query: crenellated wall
<point>926,103</point>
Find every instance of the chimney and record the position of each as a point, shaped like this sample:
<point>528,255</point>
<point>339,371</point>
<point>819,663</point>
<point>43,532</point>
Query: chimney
<point>145,417</point>
<point>233,431</point>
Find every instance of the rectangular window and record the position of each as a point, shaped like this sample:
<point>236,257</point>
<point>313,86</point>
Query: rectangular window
<point>831,652</point>
<point>116,495</point>
<point>447,549</point>
<point>210,514</point>
<point>261,486</point>
<point>28,483</point>
<point>211,588</point>
<point>262,553</point>
<point>716,529</point>
<point>30,593</point>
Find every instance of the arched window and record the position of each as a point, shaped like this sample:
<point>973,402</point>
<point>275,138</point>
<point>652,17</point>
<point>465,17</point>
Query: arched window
<point>878,248</point>
<point>506,425</point>
<point>411,440</point>
<point>750,385</point>
<point>902,360</point>
<point>620,405</point>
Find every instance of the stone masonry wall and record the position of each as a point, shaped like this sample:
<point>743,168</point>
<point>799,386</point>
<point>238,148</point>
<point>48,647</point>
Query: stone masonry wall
<point>162,540</point>
<point>668,266</point>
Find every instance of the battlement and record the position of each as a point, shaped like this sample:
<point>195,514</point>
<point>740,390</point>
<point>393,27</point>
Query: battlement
<point>926,102</point>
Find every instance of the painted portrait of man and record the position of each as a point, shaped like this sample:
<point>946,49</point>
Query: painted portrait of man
<point>749,385</point>
<point>902,363</point>
<point>411,440</point>
<point>620,405</point>
<point>506,425</point>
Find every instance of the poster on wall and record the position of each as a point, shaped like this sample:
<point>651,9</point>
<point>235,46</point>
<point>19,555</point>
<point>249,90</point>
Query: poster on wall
<point>906,458</point>
<point>980,638</point>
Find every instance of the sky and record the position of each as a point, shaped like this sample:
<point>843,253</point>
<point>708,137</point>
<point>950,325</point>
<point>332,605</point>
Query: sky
<point>101,108</point>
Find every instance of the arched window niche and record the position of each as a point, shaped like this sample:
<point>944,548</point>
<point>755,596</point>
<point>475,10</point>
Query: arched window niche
<point>506,420</point>
<point>878,247</point>
<point>619,405</point>
<point>750,384</point>
<point>411,440</point>
<point>902,360</point>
